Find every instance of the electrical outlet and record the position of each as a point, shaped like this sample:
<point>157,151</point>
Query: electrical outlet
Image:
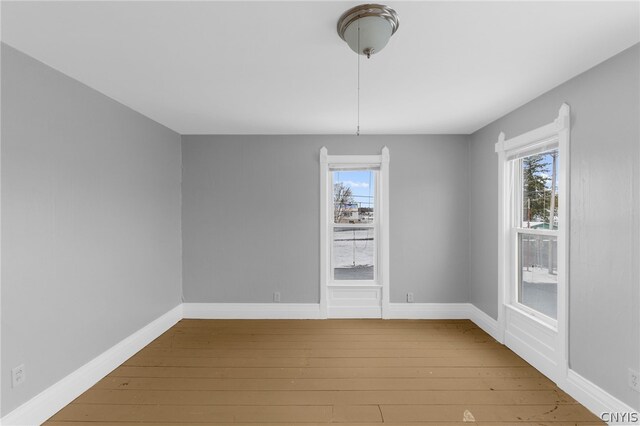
<point>276,296</point>
<point>634,380</point>
<point>409,297</point>
<point>18,376</point>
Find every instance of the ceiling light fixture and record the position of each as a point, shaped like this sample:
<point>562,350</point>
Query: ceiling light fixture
<point>367,29</point>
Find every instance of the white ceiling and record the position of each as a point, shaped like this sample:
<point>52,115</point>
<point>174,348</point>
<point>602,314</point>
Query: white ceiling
<point>280,68</point>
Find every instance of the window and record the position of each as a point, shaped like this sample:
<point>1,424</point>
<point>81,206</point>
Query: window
<point>354,235</point>
<point>354,227</point>
<point>535,231</point>
<point>533,249</point>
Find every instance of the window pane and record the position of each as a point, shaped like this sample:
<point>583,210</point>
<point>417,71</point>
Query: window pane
<point>538,280</point>
<point>353,253</point>
<point>353,196</point>
<point>540,190</point>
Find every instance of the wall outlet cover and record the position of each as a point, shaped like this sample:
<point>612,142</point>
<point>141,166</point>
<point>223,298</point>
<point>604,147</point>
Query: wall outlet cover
<point>634,380</point>
<point>276,296</point>
<point>409,297</point>
<point>18,376</point>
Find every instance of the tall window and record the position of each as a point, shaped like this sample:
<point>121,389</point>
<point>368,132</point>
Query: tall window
<point>354,226</point>
<point>354,235</point>
<point>533,249</point>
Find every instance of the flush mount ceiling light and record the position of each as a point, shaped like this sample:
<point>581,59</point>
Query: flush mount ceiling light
<point>367,28</point>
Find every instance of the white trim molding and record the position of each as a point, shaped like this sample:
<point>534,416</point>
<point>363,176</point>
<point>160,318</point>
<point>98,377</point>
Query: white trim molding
<point>48,402</point>
<point>312,311</point>
<point>485,322</point>
<point>251,311</point>
<point>542,341</point>
<point>329,306</point>
<point>598,401</point>
<point>325,253</point>
<point>428,311</point>
<point>535,341</point>
<point>383,265</point>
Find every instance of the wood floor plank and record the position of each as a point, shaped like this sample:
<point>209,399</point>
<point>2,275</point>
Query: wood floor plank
<point>338,384</point>
<point>356,413</point>
<point>359,397</point>
<point>505,413</point>
<point>378,328</point>
<point>204,343</point>
<point>316,337</point>
<point>496,360</point>
<point>380,333</point>
<point>324,324</point>
<point>197,413</point>
<point>308,372</point>
<point>331,353</point>
<point>322,372</point>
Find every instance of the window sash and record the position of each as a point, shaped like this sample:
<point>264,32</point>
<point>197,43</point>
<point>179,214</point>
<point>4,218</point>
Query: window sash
<point>516,276</point>
<point>374,281</point>
<point>515,191</point>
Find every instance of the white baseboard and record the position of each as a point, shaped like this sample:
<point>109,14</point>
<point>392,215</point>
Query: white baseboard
<point>312,311</point>
<point>39,408</point>
<point>485,322</point>
<point>598,401</point>
<point>446,311</point>
<point>428,311</point>
<point>251,310</point>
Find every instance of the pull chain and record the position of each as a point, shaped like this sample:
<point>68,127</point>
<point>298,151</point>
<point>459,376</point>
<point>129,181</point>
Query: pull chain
<point>358,128</point>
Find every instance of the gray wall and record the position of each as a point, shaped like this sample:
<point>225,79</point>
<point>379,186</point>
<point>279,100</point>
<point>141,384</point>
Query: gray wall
<point>605,186</point>
<point>91,247</point>
<point>90,223</point>
<point>251,221</point>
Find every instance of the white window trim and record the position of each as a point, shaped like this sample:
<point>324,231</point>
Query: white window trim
<point>380,162</point>
<point>559,129</point>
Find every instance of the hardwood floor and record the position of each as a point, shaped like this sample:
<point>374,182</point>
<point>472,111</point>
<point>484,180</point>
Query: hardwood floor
<point>344,372</point>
